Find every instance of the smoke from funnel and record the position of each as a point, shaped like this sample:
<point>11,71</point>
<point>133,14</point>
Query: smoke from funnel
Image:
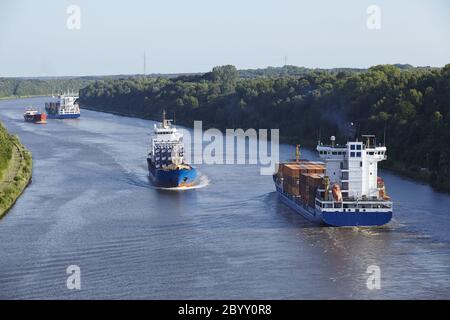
<point>346,128</point>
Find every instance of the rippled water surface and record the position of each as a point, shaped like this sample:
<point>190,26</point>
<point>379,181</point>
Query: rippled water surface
<point>90,204</point>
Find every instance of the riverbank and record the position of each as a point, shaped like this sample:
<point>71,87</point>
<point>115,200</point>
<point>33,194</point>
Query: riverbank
<point>416,174</point>
<point>423,175</point>
<point>15,177</point>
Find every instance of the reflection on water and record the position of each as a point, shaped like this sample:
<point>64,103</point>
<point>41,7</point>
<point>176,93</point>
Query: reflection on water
<point>91,204</point>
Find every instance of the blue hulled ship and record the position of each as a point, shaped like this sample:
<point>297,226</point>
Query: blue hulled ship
<point>64,106</point>
<point>165,159</point>
<point>343,191</point>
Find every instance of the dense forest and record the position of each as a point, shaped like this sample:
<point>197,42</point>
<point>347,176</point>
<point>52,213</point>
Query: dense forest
<point>42,86</point>
<point>409,106</point>
<point>21,87</point>
<point>17,87</point>
<point>45,86</point>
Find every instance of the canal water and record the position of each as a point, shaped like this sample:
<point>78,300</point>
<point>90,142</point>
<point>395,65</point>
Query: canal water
<point>90,204</point>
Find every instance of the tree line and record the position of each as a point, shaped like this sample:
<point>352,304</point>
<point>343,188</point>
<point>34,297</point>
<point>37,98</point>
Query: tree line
<point>20,87</point>
<point>408,106</point>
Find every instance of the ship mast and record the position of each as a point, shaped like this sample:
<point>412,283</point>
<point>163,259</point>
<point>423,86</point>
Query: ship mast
<point>164,119</point>
<point>166,123</point>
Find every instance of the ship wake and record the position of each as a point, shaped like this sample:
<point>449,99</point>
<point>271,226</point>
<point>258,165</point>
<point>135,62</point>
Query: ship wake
<point>202,182</point>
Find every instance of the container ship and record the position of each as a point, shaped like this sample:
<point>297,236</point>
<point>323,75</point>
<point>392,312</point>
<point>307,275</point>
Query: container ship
<point>35,116</point>
<point>64,106</point>
<point>165,159</point>
<point>342,191</point>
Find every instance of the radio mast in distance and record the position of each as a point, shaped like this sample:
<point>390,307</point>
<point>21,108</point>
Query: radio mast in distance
<point>145,64</point>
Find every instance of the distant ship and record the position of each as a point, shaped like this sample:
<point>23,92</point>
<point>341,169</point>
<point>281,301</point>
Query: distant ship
<point>343,191</point>
<point>165,159</point>
<point>64,106</point>
<point>34,115</point>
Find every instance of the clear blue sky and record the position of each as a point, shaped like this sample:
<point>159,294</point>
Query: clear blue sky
<point>195,35</point>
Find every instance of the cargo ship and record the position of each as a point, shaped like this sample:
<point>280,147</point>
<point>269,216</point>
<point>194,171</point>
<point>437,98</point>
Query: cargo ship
<point>165,159</point>
<point>34,115</point>
<point>342,191</point>
<point>64,106</point>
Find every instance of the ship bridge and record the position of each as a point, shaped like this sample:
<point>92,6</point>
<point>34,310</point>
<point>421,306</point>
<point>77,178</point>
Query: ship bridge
<point>166,145</point>
<point>354,166</point>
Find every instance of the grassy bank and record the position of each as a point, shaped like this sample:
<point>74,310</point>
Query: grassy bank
<point>15,174</point>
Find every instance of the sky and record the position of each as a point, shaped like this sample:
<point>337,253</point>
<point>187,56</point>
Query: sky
<point>181,36</point>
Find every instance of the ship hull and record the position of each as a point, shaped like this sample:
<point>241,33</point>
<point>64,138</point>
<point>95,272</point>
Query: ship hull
<point>172,178</point>
<point>37,118</point>
<point>356,219</point>
<point>300,208</point>
<point>63,116</point>
<point>336,219</point>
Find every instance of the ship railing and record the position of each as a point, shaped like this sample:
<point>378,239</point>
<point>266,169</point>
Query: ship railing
<point>360,204</point>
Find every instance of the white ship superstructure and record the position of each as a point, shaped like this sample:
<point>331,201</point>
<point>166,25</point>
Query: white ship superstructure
<point>354,167</point>
<point>64,106</point>
<point>165,159</point>
<point>166,146</point>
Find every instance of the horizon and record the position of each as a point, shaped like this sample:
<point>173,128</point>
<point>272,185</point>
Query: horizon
<point>203,72</point>
<point>49,39</point>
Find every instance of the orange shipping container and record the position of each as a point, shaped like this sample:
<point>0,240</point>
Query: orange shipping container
<point>292,170</point>
<point>298,173</point>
